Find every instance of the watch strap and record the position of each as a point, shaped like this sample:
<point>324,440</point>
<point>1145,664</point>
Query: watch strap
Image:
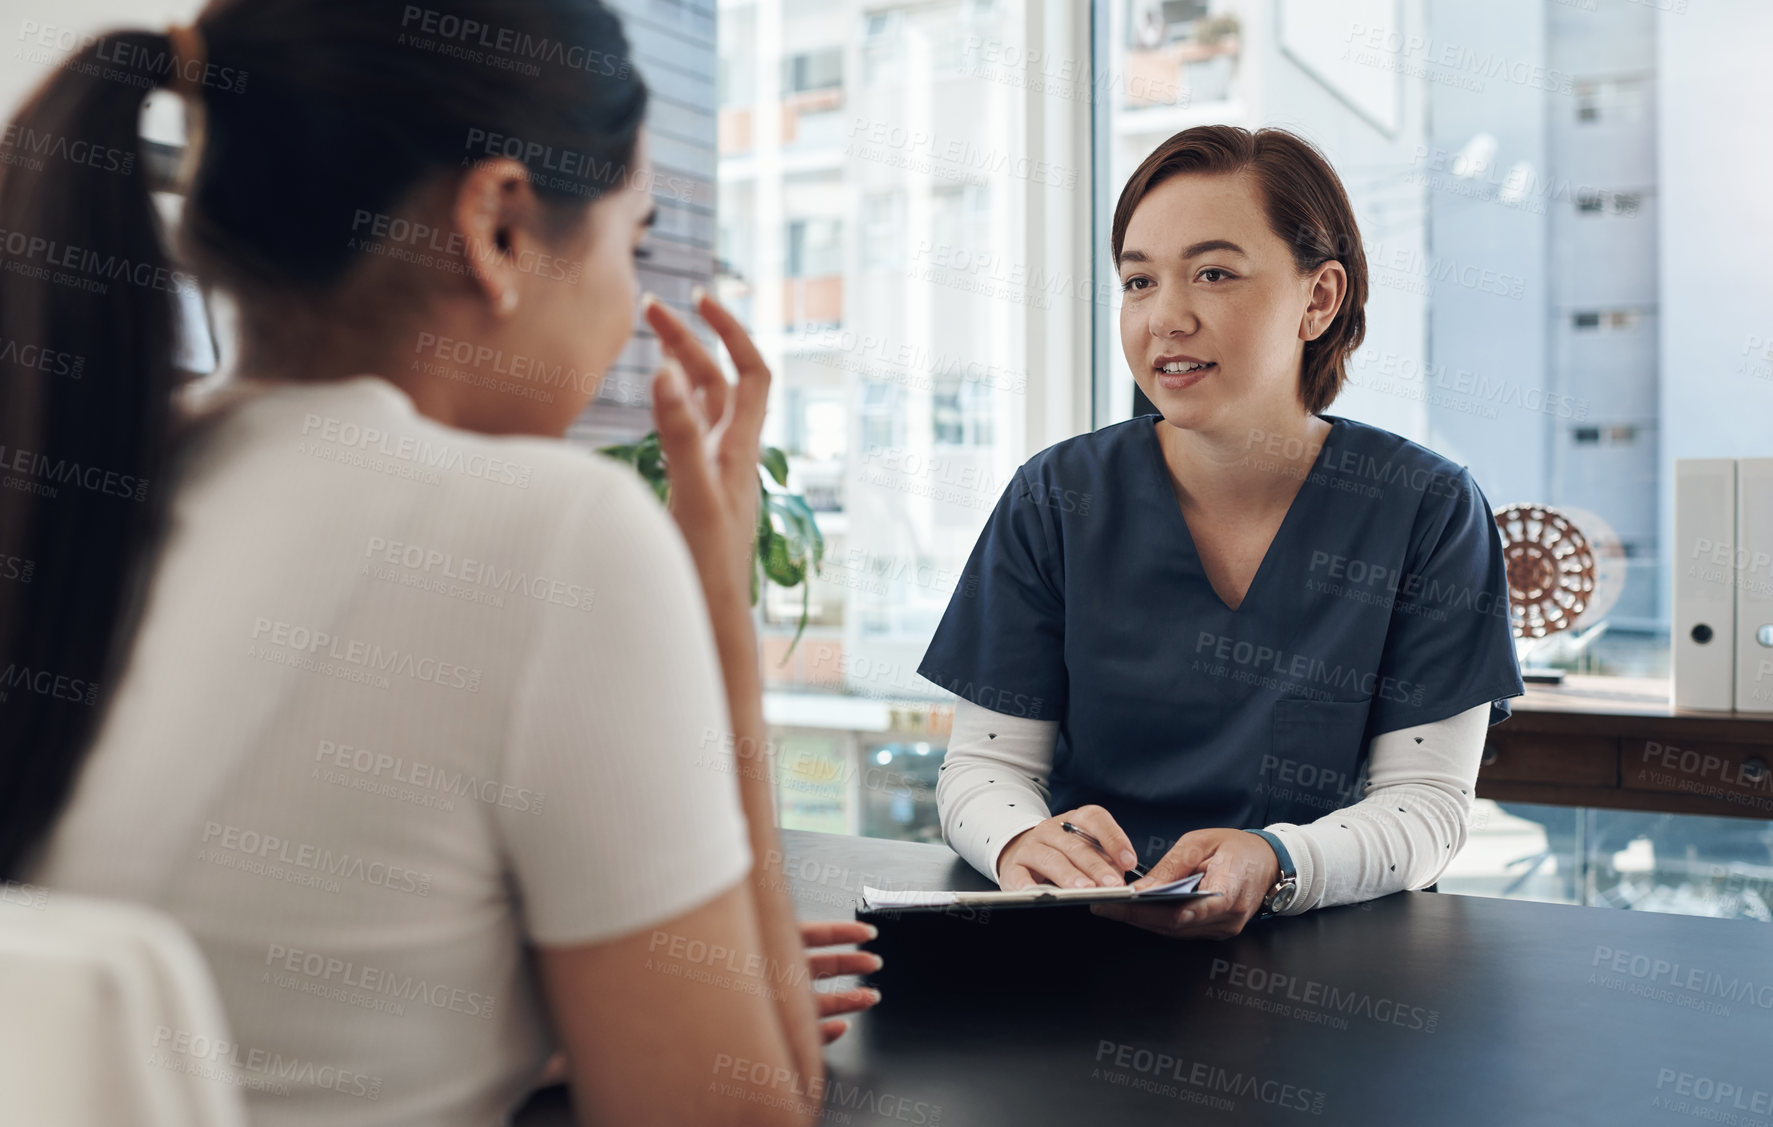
<point>1280,853</point>
<point>1288,880</point>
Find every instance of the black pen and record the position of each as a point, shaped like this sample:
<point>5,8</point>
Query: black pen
<point>1136,870</point>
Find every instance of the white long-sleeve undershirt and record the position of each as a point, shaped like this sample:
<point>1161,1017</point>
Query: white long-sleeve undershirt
<point>1409,824</point>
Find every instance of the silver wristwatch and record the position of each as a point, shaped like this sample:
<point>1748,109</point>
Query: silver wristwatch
<point>1286,888</point>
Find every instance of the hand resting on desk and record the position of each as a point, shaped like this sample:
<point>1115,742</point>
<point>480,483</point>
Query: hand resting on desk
<point>837,964</point>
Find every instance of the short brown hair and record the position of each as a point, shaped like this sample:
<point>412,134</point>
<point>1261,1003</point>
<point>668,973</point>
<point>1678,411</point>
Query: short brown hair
<point>1307,209</point>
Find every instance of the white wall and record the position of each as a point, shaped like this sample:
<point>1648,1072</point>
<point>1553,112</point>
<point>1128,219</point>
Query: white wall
<point>1371,162</point>
<point>22,21</point>
<point>1714,119</point>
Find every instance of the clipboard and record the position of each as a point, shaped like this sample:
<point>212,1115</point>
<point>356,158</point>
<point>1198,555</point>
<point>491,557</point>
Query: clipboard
<point>1037,896</point>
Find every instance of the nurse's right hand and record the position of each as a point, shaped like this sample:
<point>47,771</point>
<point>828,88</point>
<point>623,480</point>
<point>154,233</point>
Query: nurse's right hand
<point>1046,854</point>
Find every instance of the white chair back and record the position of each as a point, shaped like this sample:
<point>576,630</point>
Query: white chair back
<point>108,1018</point>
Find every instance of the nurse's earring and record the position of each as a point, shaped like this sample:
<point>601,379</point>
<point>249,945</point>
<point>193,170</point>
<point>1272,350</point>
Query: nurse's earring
<point>508,302</point>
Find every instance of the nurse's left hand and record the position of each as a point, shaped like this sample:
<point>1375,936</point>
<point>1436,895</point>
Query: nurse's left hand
<point>1240,866</point>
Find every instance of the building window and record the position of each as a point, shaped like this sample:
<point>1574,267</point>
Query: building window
<point>815,248</point>
<point>1614,100</point>
<point>883,226</point>
<point>815,70</point>
<point>882,415</point>
<point>1613,435</point>
<point>960,215</point>
<point>878,26</point>
<point>1611,319</point>
<point>1588,104</point>
<point>1151,25</point>
<point>1593,201</point>
<point>960,412</point>
<point>883,46</point>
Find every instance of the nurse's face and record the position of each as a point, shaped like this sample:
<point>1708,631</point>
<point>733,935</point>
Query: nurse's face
<point>1206,282</point>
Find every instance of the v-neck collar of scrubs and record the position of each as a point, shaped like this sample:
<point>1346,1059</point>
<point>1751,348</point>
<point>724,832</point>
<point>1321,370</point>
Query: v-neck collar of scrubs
<point>1169,490</point>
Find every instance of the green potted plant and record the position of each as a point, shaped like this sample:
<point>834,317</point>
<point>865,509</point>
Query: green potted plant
<point>788,538</point>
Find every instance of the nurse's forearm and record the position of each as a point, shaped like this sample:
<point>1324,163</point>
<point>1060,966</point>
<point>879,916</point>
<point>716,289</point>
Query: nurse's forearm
<point>1409,826</point>
<point>992,785</point>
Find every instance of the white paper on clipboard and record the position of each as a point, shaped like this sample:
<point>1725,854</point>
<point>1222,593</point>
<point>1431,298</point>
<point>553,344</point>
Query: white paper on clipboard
<point>884,899</point>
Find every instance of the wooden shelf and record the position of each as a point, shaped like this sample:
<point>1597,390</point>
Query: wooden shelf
<point>1617,742</point>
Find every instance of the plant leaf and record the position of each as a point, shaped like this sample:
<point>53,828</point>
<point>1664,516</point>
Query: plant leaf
<point>776,463</point>
<point>796,512</point>
<point>781,567</point>
<point>780,556</point>
<point>806,597</point>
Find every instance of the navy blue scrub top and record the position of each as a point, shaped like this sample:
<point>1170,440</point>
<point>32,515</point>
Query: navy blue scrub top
<point>1382,604</point>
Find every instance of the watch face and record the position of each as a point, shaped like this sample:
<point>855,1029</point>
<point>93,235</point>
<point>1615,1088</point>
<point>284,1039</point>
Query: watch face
<point>1282,897</point>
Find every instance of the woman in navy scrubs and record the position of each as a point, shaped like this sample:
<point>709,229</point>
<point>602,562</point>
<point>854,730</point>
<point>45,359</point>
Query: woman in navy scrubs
<point>1241,613</point>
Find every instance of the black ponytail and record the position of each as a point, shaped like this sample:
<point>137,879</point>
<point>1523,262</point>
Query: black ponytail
<point>86,377</point>
<point>314,113</point>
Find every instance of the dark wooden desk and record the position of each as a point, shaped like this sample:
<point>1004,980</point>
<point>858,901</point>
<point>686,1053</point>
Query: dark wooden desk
<point>1425,1010</point>
<point>1616,742</point>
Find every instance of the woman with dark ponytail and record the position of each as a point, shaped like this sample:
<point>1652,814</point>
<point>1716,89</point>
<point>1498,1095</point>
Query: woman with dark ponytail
<point>84,545</point>
<point>437,733</point>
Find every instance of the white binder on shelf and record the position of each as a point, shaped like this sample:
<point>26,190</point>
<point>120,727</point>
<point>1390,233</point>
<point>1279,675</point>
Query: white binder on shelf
<point>1754,585</point>
<point>1703,633</point>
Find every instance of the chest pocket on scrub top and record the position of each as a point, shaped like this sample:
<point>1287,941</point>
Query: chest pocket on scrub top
<point>1314,760</point>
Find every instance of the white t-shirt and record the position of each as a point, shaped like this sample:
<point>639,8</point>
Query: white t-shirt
<point>404,699</point>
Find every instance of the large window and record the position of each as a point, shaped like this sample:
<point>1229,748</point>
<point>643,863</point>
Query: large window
<point>889,178</point>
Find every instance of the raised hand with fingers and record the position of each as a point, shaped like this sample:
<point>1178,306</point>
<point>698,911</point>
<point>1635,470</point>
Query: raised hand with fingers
<point>709,432</point>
